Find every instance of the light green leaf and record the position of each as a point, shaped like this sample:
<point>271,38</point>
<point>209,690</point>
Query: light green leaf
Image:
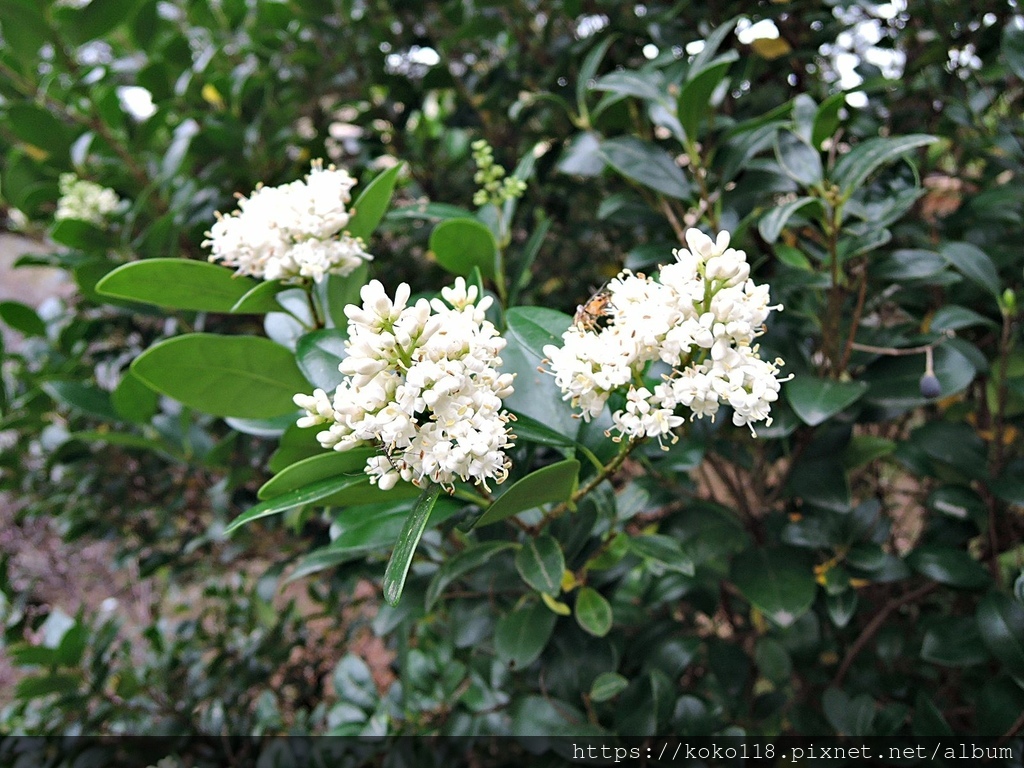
<point>646,164</point>
<point>412,531</point>
<point>550,484</point>
<point>541,563</point>
<point>177,284</point>
<point>373,202</point>
<point>607,686</point>
<point>593,612</point>
<point>243,376</point>
<point>461,244</point>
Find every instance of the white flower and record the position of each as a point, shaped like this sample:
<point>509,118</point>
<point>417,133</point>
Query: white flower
<point>293,232</point>
<point>700,318</point>
<point>422,383</point>
<point>85,200</point>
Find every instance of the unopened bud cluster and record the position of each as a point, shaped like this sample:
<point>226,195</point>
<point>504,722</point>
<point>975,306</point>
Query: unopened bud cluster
<point>495,186</point>
<point>293,232</point>
<point>85,200</point>
<point>682,341</point>
<point>421,382</point>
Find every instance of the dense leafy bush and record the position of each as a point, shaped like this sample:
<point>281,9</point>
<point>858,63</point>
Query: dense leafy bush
<point>853,569</point>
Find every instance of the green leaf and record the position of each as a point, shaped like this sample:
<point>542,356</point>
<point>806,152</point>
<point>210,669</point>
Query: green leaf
<point>429,212</point>
<point>36,687</point>
<point>469,559</point>
<point>643,85</point>
<point>260,299</point>
<point>953,317</point>
<point>81,235</point>
<point>22,318</point>
<point>947,565</point>
<point>607,686</point>
<point>772,223</point>
<point>373,202</point>
<point>551,484</point>
<point>550,717</point>
<point>953,642</point>
<point>826,119</point>
<point>663,550</point>
<point>330,464</point>
<point>86,398</point>
<point>974,264</point>
<point>696,94</point>
<point>821,482</point>
<point>38,127</point>
<point>412,531</point>
<point>853,168</point>
<point>1001,622</point>
<point>817,400</point>
<point>462,244</point>
<point>139,442</point>
<point>133,400</point>
<point>896,381</point>
<point>928,719</point>
<point>863,449</point>
<point>292,499</point>
<point>177,284</point>
<point>319,353</point>
<point>520,636</point>
<point>540,562</point>
<point>777,581</point>
<point>531,430</point>
<point>247,377</point>
<point>342,291</point>
<point>1012,47</point>
<point>798,159</point>
<point>593,612</point>
<point>97,19</point>
<point>646,164</point>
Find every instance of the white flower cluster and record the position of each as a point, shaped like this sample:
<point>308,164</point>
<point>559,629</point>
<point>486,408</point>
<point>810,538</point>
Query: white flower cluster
<point>696,323</point>
<point>421,382</point>
<point>291,232</point>
<point>85,200</point>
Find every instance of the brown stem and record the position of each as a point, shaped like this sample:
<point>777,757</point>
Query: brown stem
<point>677,226</point>
<point>875,624</point>
<point>858,310</point>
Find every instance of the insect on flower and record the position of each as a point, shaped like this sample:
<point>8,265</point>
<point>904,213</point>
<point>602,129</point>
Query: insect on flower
<point>594,313</point>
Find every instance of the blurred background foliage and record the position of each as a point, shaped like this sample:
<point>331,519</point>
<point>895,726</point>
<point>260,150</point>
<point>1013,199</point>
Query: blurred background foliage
<point>855,570</point>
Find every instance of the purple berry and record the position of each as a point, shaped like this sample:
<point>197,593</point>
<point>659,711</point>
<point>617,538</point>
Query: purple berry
<point>930,386</point>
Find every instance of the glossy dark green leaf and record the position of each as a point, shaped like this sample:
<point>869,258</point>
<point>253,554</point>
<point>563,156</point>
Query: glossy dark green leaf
<point>826,119</point>
<point>646,164</point>
<point>86,398</point>
<point>459,245</point>
<point>695,95</point>
<point>242,376</point>
<point>540,562</point>
<point>817,400</point>
<point>607,686</point>
<point>1001,622</point>
<point>37,126</point>
<point>308,494</point>
<point>551,484</point>
<point>850,716</point>
<point>133,400</point>
<point>548,716</point>
<point>777,581</point>
<point>663,550</point>
<point>775,220</point>
<point>469,559</point>
<point>974,264</point>
<point>333,464</point>
<point>593,612</point>
<point>953,642</point>
<point>372,203</point>
<point>953,317</point>
<point>81,235</point>
<point>896,381</point>
<point>520,636</point>
<point>947,565</point>
<point>643,85</point>
<point>863,449</point>
<point>412,531</point>
<point>22,318</point>
<point>98,18</point>
<point>318,354</point>
<point>798,159</point>
<point>773,661</point>
<point>859,163</point>
<point>177,284</point>
<point>821,482</point>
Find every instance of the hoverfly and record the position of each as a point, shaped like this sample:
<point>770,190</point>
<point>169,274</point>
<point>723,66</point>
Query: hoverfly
<point>593,314</point>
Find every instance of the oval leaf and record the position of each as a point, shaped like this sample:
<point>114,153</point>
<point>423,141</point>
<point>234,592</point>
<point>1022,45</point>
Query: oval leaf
<point>244,376</point>
<point>551,484</point>
<point>319,354</point>
<point>855,166</point>
<point>776,581</point>
<point>177,284</point>
<point>372,203</point>
<point>520,636</point>
<point>974,264</point>
<point>462,244</point>
<point>540,562</point>
<point>1001,621</point>
<point>646,164</point>
<point>817,400</point>
<point>593,612</point>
